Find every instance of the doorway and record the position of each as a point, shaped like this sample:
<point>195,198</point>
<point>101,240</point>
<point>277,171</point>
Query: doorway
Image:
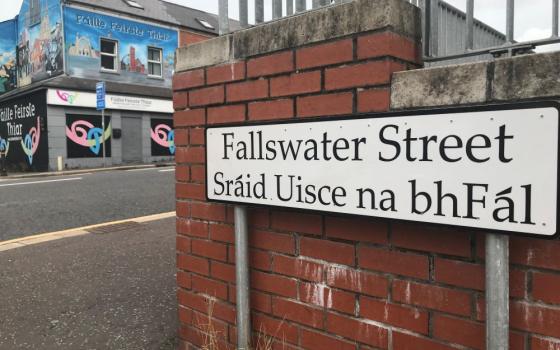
<point>131,140</point>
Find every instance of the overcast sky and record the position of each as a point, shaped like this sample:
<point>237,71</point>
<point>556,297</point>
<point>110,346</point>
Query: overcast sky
<point>533,18</point>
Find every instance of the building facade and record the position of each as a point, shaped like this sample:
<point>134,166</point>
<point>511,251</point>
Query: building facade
<point>52,55</point>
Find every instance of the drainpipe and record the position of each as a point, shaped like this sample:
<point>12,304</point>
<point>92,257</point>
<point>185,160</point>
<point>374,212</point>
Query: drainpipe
<point>242,278</point>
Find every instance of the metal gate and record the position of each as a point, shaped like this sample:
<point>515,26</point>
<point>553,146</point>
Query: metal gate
<point>131,140</point>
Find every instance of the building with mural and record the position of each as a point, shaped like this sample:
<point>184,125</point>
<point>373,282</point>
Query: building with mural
<point>53,54</point>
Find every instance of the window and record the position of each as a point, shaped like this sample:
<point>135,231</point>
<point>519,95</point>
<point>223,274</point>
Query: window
<point>154,62</point>
<point>109,55</point>
<point>133,3</point>
<point>205,23</point>
<point>34,12</point>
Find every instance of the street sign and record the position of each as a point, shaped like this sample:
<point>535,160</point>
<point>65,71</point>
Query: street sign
<point>488,168</point>
<point>100,94</point>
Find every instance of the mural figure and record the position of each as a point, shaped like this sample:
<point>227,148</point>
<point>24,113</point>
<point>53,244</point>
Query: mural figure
<point>164,136</point>
<point>8,76</point>
<point>8,69</point>
<point>39,47</point>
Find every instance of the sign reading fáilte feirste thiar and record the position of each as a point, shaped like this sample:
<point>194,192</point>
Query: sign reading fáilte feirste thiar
<point>494,168</point>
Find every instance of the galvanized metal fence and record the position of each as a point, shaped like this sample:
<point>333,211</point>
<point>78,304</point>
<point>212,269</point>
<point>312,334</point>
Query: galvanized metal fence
<point>449,34</point>
<point>471,38</point>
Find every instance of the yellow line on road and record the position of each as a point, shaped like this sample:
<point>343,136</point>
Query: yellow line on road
<point>73,232</point>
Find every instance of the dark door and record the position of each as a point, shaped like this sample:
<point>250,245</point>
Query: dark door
<point>131,140</point>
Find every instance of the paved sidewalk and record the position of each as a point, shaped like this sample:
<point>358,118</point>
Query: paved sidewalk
<point>108,287</point>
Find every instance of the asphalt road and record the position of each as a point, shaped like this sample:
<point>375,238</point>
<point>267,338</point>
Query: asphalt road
<point>98,291</point>
<point>45,204</point>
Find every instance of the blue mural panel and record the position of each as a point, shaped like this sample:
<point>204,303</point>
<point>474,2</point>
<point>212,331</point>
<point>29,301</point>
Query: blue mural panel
<point>39,42</point>
<point>83,33</point>
<point>8,78</point>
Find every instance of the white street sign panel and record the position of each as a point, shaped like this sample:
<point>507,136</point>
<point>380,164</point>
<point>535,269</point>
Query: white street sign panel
<point>493,169</point>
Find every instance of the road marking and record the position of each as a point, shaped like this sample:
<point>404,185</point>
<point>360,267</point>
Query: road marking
<point>73,232</point>
<point>143,169</point>
<point>167,170</point>
<point>40,182</point>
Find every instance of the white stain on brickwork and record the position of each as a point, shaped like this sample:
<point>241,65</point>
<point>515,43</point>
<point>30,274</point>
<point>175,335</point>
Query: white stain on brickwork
<point>407,293</point>
<point>310,271</point>
<point>341,273</point>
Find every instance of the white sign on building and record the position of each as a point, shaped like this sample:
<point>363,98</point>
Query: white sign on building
<point>494,169</point>
<point>119,102</point>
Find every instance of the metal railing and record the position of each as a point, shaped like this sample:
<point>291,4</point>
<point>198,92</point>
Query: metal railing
<point>449,34</point>
<point>504,45</point>
<point>291,7</point>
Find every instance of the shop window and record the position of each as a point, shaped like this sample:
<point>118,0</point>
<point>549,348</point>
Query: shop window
<point>155,62</point>
<point>109,54</point>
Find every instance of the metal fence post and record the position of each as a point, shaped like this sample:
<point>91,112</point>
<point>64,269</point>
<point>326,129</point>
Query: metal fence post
<point>510,21</point>
<point>555,18</point>
<point>497,292</point>
<point>426,28</point>
<point>259,11</point>
<point>243,14</point>
<point>434,27</point>
<point>242,278</point>
<point>470,25</point>
<point>276,9</point>
<point>223,14</point>
<point>289,7</point>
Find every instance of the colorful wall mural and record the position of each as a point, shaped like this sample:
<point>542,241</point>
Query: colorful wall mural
<point>84,30</point>
<point>8,75</point>
<point>39,41</point>
<point>23,132</point>
<point>162,137</point>
<point>84,136</point>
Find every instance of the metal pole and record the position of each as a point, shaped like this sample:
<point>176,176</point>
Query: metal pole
<point>497,292</point>
<point>289,7</point>
<point>554,18</point>
<point>426,26</point>
<point>470,25</point>
<point>223,14</point>
<point>242,278</point>
<point>103,134</point>
<point>243,13</point>
<point>301,5</point>
<point>510,21</point>
<point>434,27</point>
<point>259,11</point>
<point>276,9</point>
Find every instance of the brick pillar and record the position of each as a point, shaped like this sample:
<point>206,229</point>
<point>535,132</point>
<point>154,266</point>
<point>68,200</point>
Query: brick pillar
<point>317,281</point>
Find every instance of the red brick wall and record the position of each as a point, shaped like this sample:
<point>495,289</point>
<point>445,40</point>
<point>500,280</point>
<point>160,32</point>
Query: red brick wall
<point>326,282</point>
<point>187,38</point>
